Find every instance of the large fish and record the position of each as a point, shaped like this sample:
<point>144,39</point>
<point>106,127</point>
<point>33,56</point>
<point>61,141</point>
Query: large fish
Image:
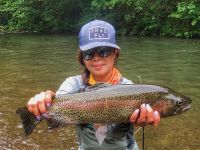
<point>105,104</point>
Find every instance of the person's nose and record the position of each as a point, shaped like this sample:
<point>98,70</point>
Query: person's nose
<point>96,57</point>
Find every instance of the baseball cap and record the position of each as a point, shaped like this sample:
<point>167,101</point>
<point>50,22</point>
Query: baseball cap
<point>95,34</point>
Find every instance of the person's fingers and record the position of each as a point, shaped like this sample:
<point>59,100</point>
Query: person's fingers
<point>48,98</point>
<point>150,116</point>
<point>35,109</point>
<point>41,102</point>
<point>134,116</point>
<point>29,105</point>
<point>156,118</point>
<point>142,117</point>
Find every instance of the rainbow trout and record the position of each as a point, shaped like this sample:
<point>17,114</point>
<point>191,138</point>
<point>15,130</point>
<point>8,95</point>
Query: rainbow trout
<point>105,104</point>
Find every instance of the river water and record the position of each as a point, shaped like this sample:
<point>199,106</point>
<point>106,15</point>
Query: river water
<point>31,63</point>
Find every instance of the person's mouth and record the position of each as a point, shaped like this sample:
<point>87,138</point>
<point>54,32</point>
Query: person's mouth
<point>97,66</point>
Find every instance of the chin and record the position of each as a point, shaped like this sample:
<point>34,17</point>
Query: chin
<point>99,73</point>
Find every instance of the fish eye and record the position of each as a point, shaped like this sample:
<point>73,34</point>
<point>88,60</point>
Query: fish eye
<point>179,102</point>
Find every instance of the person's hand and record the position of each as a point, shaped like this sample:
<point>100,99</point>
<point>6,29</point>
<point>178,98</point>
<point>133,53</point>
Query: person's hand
<point>145,116</point>
<point>40,103</point>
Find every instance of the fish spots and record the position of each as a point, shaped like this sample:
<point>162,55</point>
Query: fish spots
<point>113,104</point>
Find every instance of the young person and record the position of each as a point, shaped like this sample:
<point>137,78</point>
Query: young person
<point>98,55</point>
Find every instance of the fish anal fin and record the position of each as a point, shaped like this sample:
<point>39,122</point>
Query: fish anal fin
<point>59,122</point>
<point>53,123</point>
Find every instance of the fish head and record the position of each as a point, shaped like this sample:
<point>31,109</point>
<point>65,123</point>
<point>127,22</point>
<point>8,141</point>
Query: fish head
<point>175,103</point>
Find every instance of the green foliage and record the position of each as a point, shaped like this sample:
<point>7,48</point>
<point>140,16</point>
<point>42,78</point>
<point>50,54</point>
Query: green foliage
<point>130,17</point>
<point>135,17</point>
<point>157,17</point>
<point>41,15</point>
<point>186,19</point>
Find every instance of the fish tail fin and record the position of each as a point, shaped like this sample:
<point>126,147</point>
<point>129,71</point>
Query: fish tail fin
<point>28,119</point>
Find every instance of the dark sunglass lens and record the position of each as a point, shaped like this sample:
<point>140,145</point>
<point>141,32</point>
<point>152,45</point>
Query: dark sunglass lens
<point>88,55</point>
<point>104,51</point>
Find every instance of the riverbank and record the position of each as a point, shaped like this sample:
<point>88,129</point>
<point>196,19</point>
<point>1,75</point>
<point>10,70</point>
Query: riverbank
<point>4,32</point>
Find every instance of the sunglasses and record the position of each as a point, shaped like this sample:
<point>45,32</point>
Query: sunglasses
<point>101,51</point>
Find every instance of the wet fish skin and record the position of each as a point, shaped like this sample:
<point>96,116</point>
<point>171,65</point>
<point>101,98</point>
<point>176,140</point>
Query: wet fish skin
<point>107,104</point>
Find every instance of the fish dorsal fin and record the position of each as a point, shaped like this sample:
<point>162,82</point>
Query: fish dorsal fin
<point>96,86</point>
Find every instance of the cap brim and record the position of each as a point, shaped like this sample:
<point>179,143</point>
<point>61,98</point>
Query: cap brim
<point>97,44</point>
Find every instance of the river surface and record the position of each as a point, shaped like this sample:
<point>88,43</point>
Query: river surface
<point>31,63</point>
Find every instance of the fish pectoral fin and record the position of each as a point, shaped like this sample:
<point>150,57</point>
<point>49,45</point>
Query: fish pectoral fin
<point>100,133</point>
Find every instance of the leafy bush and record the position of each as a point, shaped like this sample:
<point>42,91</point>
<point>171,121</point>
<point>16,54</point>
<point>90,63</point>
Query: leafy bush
<point>130,17</point>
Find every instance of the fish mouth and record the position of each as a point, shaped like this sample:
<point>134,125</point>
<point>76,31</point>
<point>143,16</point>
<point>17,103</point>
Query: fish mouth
<point>187,107</point>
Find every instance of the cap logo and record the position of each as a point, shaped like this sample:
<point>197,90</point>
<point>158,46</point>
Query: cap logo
<point>98,33</point>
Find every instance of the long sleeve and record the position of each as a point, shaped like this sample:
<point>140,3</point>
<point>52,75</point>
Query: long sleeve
<point>70,85</point>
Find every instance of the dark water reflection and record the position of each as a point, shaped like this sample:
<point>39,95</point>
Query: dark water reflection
<point>33,63</point>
